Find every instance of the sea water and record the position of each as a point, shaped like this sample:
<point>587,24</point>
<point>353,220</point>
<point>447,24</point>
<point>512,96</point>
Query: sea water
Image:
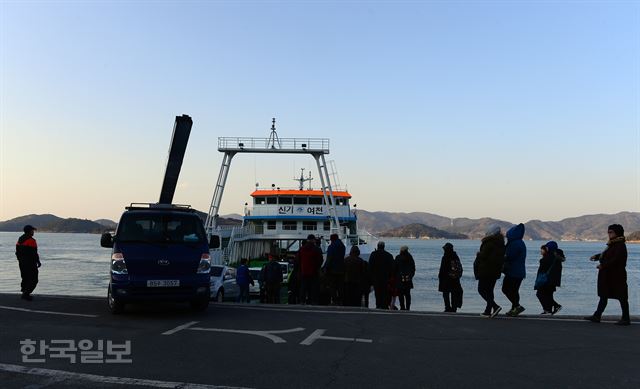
<point>75,264</point>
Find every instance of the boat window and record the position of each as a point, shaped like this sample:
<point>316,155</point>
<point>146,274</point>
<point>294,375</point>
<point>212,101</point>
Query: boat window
<point>299,200</point>
<point>289,225</point>
<point>272,200</point>
<point>315,200</point>
<point>341,201</point>
<point>259,200</point>
<point>285,200</point>
<point>309,226</point>
<point>271,225</point>
<point>327,226</point>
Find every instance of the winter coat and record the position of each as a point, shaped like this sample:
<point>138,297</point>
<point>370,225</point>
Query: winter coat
<point>515,253</point>
<point>551,262</point>
<point>405,268</point>
<point>243,277</point>
<point>380,267</point>
<point>355,271</point>
<point>490,258</point>
<point>335,257</point>
<point>612,277</point>
<point>27,250</point>
<point>311,259</point>
<point>450,272</point>
<point>272,273</point>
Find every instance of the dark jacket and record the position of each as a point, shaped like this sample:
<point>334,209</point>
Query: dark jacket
<point>490,258</point>
<point>335,257</point>
<point>405,267</point>
<point>450,272</point>
<point>311,259</point>
<point>515,253</point>
<point>27,250</point>
<point>612,277</point>
<point>355,271</point>
<point>551,262</point>
<point>243,277</point>
<point>380,267</point>
<point>272,273</point>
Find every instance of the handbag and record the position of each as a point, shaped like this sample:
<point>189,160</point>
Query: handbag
<point>543,278</point>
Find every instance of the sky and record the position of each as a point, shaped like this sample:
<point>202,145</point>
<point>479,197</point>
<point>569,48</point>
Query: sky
<point>516,110</point>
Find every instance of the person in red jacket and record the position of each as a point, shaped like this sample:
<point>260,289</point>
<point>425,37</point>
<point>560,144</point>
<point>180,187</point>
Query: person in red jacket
<point>310,259</point>
<point>28,260</point>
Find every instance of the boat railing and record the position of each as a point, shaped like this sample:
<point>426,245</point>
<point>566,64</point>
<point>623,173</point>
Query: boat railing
<point>302,145</point>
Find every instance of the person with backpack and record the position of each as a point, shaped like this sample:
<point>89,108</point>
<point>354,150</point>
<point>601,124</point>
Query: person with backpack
<point>612,275</point>
<point>487,268</point>
<point>405,271</point>
<point>449,279</point>
<point>272,281</point>
<point>548,277</point>
<point>514,268</point>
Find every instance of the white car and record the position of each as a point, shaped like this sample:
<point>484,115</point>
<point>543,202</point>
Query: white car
<point>223,283</point>
<point>254,290</point>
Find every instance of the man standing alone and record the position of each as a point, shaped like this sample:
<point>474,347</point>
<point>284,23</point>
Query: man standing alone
<point>28,260</point>
<point>381,270</point>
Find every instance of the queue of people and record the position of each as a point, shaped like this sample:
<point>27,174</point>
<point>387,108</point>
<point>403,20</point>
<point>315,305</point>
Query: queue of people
<point>348,279</point>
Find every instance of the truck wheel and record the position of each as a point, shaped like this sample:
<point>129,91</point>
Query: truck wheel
<point>115,306</point>
<point>200,305</point>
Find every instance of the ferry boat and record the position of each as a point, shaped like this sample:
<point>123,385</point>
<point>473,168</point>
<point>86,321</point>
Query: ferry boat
<point>278,220</point>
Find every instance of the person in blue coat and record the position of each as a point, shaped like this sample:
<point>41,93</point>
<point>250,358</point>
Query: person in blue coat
<point>514,268</point>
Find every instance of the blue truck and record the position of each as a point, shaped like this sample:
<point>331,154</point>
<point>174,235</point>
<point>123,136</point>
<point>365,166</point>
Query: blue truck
<point>160,251</point>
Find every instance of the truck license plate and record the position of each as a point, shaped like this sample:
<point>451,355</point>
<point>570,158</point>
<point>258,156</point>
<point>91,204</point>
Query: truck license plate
<point>162,283</point>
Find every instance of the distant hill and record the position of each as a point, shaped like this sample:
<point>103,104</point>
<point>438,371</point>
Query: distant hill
<point>634,237</point>
<point>107,223</point>
<point>52,223</point>
<point>421,231</point>
<point>589,227</point>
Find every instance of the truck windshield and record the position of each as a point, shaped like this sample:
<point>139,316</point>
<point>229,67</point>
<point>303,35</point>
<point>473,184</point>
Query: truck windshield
<point>157,228</point>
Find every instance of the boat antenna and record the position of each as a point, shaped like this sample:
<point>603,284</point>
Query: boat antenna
<point>302,179</point>
<point>273,138</point>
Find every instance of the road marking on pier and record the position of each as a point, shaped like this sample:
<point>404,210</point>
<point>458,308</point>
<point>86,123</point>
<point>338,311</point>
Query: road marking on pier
<point>319,335</point>
<point>47,312</point>
<point>180,328</point>
<point>265,334</point>
<point>68,375</point>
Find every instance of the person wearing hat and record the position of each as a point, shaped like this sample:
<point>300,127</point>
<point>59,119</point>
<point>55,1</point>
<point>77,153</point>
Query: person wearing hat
<point>488,266</point>
<point>449,279</point>
<point>514,268</point>
<point>612,275</point>
<point>28,260</point>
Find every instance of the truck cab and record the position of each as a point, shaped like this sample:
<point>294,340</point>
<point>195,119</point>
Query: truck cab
<point>160,252</point>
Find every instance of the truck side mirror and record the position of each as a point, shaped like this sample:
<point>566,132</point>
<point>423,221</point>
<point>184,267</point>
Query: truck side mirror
<point>106,240</point>
<point>214,242</point>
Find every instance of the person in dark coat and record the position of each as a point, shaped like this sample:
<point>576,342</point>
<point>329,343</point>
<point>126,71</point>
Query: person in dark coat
<point>612,275</point>
<point>355,278</point>
<point>514,268</point>
<point>28,261</point>
<point>243,280</point>
<point>272,281</point>
<point>551,265</point>
<point>405,270</point>
<point>381,271</point>
<point>449,279</point>
<point>334,268</point>
<point>488,266</point>
<point>310,257</point>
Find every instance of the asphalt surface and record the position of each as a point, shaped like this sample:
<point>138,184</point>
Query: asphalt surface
<point>312,347</point>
